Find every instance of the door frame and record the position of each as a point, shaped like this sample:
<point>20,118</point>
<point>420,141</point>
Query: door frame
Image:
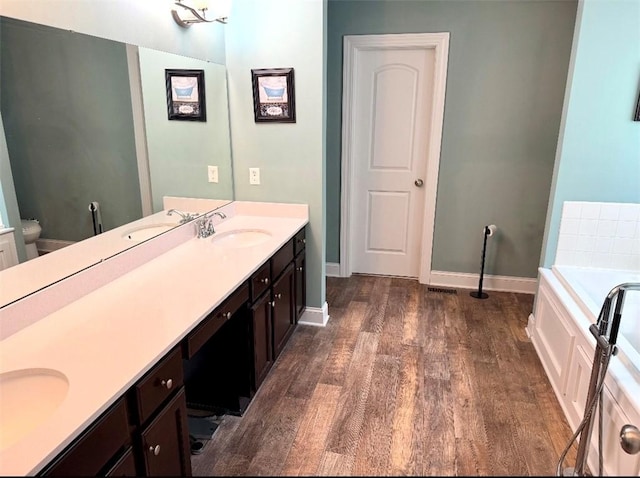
<point>351,46</point>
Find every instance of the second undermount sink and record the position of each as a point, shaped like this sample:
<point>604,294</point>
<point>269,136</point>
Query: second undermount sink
<point>238,238</point>
<point>28,397</point>
<point>147,232</point>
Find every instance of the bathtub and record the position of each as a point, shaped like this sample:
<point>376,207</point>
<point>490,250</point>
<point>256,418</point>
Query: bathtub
<point>568,301</point>
<point>589,287</point>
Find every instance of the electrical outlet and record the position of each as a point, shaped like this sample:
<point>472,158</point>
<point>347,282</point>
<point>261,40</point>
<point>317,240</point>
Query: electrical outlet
<point>254,175</point>
<point>212,172</point>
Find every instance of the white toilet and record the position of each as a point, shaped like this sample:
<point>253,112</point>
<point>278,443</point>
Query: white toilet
<point>31,231</point>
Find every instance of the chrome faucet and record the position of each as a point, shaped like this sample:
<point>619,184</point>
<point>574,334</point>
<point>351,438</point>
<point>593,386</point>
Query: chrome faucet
<point>204,225</point>
<point>186,216</point>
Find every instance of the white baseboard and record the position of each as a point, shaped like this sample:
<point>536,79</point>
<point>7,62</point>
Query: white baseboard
<point>470,281</point>
<point>332,269</point>
<point>317,316</point>
<point>465,280</point>
<point>50,245</point>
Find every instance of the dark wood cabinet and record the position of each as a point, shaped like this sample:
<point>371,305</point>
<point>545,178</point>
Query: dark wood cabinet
<point>125,466</point>
<point>261,330</point>
<point>98,448</point>
<point>283,310</point>
<point>158,385</point>
<point>151,417</point>
<point>218,366</point>
<point>160,430</point>
<point>300,275</point>
<point>164,443</point>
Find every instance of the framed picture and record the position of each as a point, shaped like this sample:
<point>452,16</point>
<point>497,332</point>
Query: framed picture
<point>185,95</point>
<point>274,95</point>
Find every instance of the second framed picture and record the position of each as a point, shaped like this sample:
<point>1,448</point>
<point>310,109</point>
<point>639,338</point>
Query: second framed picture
<point>273,95</point>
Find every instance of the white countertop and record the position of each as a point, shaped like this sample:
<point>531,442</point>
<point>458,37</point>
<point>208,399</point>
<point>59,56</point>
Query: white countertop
<point>106,340</point>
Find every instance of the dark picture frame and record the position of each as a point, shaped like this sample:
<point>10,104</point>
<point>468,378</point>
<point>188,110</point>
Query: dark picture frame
<point>185,95</point>
<point>273,95</point>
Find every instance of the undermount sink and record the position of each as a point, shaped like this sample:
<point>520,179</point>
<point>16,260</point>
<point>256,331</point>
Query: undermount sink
<point>147,232</point>
<point>238,238</point>
<point>28,397</point>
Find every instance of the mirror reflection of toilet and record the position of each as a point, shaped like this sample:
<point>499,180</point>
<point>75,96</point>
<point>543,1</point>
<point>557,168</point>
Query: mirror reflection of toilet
<point>31,231</point>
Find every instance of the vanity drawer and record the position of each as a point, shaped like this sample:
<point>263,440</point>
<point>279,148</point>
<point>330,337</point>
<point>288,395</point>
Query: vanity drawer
<point>260,281</point>
<point>216,319</point>
<point>299,241</point>
<point>158,384</point>
<point>96,447</point>
<point>281,259</point>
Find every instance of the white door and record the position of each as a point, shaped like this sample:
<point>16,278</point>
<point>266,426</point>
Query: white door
<point>391,124</point>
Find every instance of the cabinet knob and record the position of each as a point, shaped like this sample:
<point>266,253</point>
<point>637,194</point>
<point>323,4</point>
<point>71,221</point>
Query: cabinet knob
<point>265,280</point>
<point>273,303</point>
<point>168,384</point>
<point>278,296</point>
<point>299,268</point>
<point>303,241</point>
<point>155,450</point>
<point>228,315</point>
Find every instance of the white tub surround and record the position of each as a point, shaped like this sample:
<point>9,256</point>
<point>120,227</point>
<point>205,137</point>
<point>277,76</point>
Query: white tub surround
<point>142,313</point>
<point>599,234</point>
<point>598,249</point>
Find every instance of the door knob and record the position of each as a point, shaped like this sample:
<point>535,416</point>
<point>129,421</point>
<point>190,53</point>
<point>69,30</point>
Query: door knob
<point>419,182</point>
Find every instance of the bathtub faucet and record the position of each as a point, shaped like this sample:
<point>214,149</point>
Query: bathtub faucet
<point>605,331</point>
<point>186,216</point>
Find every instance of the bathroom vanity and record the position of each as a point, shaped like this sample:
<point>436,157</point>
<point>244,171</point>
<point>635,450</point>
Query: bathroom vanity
<point>8,253</point>
<point>198,325</point>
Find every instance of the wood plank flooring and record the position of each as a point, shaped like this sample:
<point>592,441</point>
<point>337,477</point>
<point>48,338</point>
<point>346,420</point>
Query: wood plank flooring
<point>401,381</point>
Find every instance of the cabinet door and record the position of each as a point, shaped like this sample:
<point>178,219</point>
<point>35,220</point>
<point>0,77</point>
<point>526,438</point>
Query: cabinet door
<point>262,330</point>
<point>165,442</point>
<point>8,253</point>
<point>283,310</point>
<point>300,285</point>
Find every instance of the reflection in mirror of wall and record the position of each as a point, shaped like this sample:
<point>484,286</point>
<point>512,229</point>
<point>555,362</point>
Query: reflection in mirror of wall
<point>85,121</point>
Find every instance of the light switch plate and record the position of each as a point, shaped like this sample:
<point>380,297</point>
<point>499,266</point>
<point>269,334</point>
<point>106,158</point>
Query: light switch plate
<point>212,172</point>
<point>254,175</point>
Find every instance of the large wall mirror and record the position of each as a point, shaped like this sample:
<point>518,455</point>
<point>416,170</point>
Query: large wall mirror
<point>85,121</point>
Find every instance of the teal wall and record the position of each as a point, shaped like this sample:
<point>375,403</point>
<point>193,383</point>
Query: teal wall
<point>180,151</point>
<point>8,200</point>
<point>66,107</point>
<point>279,34</point>
<point>507,72</point>
<point>598,157</point>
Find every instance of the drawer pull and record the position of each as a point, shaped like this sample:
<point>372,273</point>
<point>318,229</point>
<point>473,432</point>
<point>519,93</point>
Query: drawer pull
<point>299,269</point>
<point>302,241</point>
<point>155,450</point>
<point>168,384</point>
<point>273,303</point>
<point>278,296</point>
<point>227,315</point>
<point>265,280</point>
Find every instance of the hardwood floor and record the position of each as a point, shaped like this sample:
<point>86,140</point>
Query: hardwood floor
<point>401,381</point>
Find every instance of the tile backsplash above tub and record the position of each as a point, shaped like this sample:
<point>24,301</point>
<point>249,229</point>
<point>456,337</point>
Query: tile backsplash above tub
<point>599,234</point>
